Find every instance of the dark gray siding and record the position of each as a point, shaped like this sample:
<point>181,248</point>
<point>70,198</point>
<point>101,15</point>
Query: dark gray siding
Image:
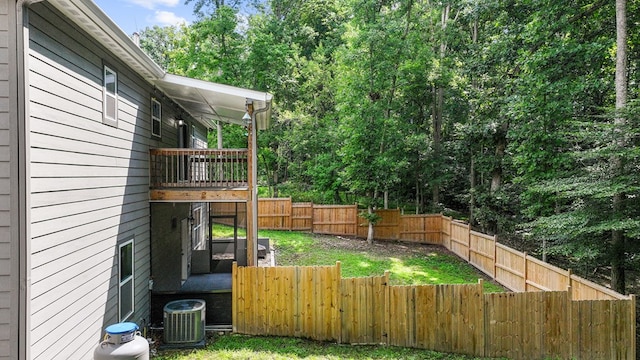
<point>89,188</point>
<point>166,244</point>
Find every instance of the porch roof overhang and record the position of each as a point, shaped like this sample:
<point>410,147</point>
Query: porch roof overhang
<point>207,102</point>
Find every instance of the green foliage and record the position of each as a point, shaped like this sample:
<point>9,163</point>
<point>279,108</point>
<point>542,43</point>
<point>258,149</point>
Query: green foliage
<point>372,218</point>
<point>501,111</point>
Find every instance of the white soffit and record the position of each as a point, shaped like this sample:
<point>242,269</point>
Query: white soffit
<point>208,101</point>
<point>205,101</point>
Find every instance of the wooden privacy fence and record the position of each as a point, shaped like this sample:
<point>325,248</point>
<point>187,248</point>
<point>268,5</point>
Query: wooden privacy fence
<point>516,270</point>
<point>554,314</point>
<point>315,302</point>
<point>283,214</point>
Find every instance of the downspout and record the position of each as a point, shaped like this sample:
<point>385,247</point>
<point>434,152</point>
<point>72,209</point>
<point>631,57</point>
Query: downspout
<point>254,172</point>
<point>20,222</point>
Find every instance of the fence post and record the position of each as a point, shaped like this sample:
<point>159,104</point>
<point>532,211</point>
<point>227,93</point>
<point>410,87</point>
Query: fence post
<point>450,233</point>
<point>424,230</point>
<point>483,322</point>
<point>569,273</point>
<point>570,322</point>
<point>632,322</point>
<point>337,298</point>
<point>355,225</point>
<point>312,216</point>
<point>234,296</point>
<point>495,256</point>
<point>387,309</point>
<point>524,273</point>
<point>468,242</point>
<point>290,214</point>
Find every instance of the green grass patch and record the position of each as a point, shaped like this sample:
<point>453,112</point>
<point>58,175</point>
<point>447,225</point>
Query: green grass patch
<point>276,348</point>
<point>423,265</point>
<point>408,264</point>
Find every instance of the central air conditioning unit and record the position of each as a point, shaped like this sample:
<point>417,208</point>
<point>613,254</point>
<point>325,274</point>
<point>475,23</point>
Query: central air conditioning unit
<point>184,322</point>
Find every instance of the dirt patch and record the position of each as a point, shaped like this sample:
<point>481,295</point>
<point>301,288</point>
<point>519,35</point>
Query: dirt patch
<point>382,248</point>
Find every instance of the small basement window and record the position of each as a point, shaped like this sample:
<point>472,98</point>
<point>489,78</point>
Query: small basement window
<point>110,97</point>
<point>156,118</point>
<point>125,281</point>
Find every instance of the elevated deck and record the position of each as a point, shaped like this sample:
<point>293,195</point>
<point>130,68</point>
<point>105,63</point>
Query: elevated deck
<point>198,175</point>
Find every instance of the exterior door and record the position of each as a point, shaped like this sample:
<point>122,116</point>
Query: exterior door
<point>186,249</point>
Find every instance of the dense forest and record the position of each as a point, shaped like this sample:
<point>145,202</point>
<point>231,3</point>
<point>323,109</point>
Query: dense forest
<point>521,117</point>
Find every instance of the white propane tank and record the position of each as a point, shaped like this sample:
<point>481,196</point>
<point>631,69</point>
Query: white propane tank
<point>123,342</point>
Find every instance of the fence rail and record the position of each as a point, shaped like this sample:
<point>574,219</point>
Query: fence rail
<point>317,303</point>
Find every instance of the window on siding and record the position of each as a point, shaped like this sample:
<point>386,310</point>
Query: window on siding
<point>125,293</point>
<point>110,98</point>
<point>156,118</point>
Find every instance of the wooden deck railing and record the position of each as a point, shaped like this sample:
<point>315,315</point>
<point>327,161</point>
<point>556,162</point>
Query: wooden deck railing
<point>198,168</point>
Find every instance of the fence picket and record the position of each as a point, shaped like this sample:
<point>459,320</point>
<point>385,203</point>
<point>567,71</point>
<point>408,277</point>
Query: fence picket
<point>315,302</point>
<point>560,324</point>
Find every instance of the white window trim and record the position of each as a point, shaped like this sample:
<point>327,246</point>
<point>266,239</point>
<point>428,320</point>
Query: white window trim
<point>106,94</point>
<point>196,241</point>
<point>121,283</point>
<point>156,119</point>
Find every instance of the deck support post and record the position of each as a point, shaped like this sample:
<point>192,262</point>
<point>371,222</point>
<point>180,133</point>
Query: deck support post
<point>252,202</point>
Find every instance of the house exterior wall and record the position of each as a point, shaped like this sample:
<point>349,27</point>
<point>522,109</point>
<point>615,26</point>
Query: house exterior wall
<point>9,273</point>
<point>89,187</point>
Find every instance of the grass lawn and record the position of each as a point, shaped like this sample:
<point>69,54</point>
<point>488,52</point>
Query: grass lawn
<point>407,263</point>
<point>277,348</point>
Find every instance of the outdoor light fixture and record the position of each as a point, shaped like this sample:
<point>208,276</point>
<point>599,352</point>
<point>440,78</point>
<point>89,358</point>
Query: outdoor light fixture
<point>180,122</point>
<point>246,118</point>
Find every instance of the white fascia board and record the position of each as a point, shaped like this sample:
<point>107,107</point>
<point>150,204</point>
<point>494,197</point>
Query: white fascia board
<point>88,16</point>
<point>217,88</point>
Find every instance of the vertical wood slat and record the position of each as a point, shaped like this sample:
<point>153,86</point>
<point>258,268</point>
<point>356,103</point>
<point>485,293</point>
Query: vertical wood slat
<point>335,219</point>
<point>482,252</point>
<point>275,214</point>
<point>315,302</point>
<point>363,309</point>
<point>519,272</point>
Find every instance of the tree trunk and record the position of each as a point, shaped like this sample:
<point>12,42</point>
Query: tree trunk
<point>437,135</point>
<point>370,230</point>
<point>501,145</point>
<point>617,237</point>
<point>472,166</point>
<point>275,184</point>
<point>472,195</point>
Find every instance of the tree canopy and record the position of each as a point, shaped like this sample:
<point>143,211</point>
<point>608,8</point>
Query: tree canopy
<point>507,114</point>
